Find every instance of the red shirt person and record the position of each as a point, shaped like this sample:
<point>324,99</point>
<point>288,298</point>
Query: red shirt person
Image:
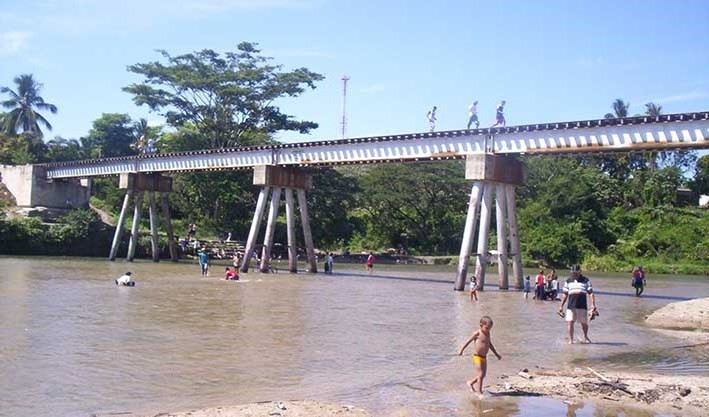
<point>539,288</point>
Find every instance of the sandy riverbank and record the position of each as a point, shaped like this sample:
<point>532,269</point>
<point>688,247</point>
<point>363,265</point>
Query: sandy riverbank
<point>671,394</point>
<point>305,408</point>
<point>692,315</point>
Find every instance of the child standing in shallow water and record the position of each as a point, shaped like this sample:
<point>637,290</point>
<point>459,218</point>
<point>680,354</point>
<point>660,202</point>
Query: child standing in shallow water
<point>473,288</point>
<point>482,344</point>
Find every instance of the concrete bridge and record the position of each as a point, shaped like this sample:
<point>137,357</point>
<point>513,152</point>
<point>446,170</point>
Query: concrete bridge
<point>493,163</point>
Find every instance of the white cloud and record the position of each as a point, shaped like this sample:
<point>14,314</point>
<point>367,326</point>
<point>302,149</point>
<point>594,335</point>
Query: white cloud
<point>13,42</point>
<point>682,97</point>
<point>373,88</point>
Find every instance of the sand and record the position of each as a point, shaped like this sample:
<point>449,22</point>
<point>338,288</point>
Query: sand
<point>688,394</point>
<point>692,315</point>
<point>305,408</point>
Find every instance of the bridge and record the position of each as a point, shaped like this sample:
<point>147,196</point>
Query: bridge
<point>493,163</point>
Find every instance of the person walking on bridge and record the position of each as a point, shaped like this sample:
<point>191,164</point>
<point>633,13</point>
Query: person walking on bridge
<point>473,115</point>
<point>500,114</point>
<point>431,116</point>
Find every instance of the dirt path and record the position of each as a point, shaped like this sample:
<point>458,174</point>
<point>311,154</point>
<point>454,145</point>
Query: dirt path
<point>105,217</point>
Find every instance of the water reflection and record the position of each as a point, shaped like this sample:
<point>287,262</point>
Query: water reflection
<point>71,343</point>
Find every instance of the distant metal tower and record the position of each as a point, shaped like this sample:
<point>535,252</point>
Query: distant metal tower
<point>345,78</point>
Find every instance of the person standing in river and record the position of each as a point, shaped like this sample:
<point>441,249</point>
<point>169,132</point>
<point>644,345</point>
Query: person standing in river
<point>576,289</point>
<point>639,281</point>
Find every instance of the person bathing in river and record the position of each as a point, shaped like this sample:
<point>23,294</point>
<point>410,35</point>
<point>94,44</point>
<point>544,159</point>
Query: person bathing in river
<point>125,280</point>
<point>481,345</point>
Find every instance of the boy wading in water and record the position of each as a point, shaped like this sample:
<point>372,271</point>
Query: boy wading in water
<point>482,344</point>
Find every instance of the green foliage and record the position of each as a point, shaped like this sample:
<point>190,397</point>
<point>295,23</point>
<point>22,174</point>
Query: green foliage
<point>229,98</point>
<point>20,150</point>
<point>112,135</point>
<point>410,205</point>
<point>79,233</point>
<point>23,117</point>
<point>700,184</point>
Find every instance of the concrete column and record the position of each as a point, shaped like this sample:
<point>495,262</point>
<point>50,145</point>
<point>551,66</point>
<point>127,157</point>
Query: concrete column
<point>153,215</point>
<point>483,233</point>
<point>501,218</point>
<point>468,233</point>
<point>136,223</point>
<point>270,230</point>
<point>253,232</point>
<point>119,227</point>
<point>514,236</point>
<point>290,224</point>
<point>309,247</point>
<point>168,227</point>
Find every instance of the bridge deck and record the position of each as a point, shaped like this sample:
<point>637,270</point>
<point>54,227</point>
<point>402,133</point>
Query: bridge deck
<point>674,131</point>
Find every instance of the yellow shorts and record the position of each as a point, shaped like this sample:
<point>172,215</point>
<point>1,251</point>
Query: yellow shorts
<point>478,360</point>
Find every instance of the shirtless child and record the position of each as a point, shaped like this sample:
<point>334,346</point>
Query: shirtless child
<point>480,348</point>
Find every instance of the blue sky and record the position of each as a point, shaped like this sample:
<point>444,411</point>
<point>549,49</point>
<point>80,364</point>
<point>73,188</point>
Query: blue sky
<point>550,60</point>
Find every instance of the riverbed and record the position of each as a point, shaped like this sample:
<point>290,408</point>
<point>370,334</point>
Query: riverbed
<point>72,343</point>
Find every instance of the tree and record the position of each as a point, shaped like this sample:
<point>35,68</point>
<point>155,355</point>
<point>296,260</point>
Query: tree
<point>619,166</point>
<point>229,98</point>
<point>60,149</point>
<point>111,135</point>
<point>700,184</point>
<point>422,205</point>
<point>620,110</point>
<point>23,117</point>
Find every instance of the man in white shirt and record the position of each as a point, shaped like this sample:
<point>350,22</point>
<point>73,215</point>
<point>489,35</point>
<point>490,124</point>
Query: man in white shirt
<point>473,115</point>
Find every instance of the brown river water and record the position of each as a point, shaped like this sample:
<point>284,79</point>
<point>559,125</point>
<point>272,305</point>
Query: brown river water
<point>74,344</point>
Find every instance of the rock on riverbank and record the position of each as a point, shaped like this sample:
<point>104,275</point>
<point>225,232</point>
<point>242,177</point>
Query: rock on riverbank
<point>684,315</point>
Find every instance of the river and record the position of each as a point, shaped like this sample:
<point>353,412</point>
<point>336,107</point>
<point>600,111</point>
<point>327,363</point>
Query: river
<point>74,344</point>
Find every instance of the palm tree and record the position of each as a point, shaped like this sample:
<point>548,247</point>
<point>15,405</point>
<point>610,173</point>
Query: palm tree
<point>23,117</point>
<point>620,110</point>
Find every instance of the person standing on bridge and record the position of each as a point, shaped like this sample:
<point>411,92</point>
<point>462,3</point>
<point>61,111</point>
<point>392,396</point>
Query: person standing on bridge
<point>500,115</point>
<point>431,116</point>
<point>473,115</point>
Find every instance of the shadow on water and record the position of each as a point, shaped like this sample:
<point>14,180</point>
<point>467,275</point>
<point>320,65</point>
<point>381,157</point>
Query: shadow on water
<point>390,277</point>
<point>652,297</point>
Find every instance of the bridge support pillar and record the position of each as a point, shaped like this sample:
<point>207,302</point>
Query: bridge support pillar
<point>133,243</point>
<point>277,178</point>
<point>290,224</point>
<point>270,230</point>
<point>497,175</point>
<point>136,185</point>
<point>119,227</point>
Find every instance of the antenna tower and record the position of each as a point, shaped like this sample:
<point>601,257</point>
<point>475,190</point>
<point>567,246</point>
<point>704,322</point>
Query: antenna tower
<point>345,78</point>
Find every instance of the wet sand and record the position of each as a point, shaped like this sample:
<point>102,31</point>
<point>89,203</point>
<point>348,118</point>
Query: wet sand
<point>657,393</point>
<point>272,408</point>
